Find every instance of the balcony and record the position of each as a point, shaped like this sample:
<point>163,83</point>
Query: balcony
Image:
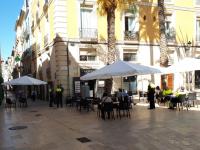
<point>131,35</point>
<point>26,33</point>
<point>170,35</point>
<point>88,34</point>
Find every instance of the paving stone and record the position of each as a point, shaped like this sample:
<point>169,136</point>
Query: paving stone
<point>57,129</point>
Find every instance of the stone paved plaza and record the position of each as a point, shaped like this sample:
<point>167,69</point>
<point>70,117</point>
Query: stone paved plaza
<point>58,129</point>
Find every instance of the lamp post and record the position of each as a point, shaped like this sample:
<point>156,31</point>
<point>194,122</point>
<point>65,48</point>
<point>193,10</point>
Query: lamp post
<point>187,49</point>
<point>188,54</point>
<point>68,75</point>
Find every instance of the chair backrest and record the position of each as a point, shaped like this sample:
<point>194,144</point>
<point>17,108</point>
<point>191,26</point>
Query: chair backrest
<point>8,101</point>
<point>191,96</point>
<point>108,106</point>
<point>182,97</point>
<point>22,100</point>
<point>126,99</point>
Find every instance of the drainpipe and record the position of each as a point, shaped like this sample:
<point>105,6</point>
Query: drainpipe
<point>68,85</point>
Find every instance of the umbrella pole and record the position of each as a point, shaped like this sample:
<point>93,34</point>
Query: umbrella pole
<point>189,81</point>
<point>122,82</point>
<point>142,88</point>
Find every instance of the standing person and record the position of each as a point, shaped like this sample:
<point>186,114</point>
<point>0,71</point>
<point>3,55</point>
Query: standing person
<point>150,96</point>
<point>33,95</point>
<point>51,97</point>
<point>119,95</point>
<point>158,94</point>
<point>59,93</point>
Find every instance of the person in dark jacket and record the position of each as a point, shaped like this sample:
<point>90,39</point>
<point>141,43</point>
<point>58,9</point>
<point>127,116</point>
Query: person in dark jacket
<point>150,96</point>
<point>59,95</point>
<point>51,97</point>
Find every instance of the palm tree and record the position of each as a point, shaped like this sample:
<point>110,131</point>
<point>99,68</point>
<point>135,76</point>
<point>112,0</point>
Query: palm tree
<point>163,41</point>
<point>108,7</point>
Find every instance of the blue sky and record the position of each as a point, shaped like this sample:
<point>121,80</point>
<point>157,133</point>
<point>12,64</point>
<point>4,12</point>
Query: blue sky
<point>9,10</point>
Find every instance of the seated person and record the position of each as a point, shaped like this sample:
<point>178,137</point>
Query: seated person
<point>180,91</point>
<point>177,97</point>
<point>105,99</point>
<point>119,94</point>
<point>166,92</point>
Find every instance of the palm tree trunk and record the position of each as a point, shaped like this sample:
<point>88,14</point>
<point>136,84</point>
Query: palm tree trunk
<point>163,41</point>
<point>111,35</point>
<point>111,57</point>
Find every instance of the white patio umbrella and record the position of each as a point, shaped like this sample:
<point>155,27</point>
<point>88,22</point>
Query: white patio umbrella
<point>184,65</point>
<point>25,80</point>
<point>120,69</point>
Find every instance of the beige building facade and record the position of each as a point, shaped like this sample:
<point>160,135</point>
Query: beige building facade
<point>68,38</point>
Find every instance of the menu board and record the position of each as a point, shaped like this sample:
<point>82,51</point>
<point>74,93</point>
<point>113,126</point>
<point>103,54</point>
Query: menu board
<point>77,86</point>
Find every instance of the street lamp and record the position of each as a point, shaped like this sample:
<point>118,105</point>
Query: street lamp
<point>187,48</point>
<point>188,54</point>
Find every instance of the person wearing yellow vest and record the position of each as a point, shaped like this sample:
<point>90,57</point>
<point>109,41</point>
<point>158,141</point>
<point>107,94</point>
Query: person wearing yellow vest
<point>59,94</point>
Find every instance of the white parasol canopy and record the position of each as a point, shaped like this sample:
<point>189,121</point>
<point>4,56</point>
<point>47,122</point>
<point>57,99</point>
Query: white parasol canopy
<point>184,65</point>
<point>25,80</point>
<point>120,69</point>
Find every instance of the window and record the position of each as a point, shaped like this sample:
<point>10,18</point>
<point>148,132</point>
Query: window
<point>130,22</point>
<point>168,23</point>
<point>197,2</point>
<point>131,26</point>
<point>87,55</point>
<point>170,58</point>
<point>168,1</point>
<point>198,29</point>
<point>169,30</point>
<point>197,79</point>
<point>130,55</point>
<point>88,22</point>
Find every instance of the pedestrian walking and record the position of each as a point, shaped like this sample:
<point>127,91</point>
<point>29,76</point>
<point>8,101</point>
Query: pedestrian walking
<point>59,94</point>
<point>33,95</point>
<point>150,96</point>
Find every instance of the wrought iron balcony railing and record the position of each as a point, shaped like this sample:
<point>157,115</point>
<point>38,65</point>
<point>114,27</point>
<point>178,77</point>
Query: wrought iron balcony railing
<point>88,33</point>
<point>131,36</point>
